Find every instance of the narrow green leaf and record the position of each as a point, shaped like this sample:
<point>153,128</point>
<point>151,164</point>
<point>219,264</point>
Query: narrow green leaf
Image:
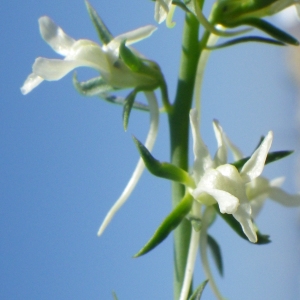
<point>245,40</point>
<point>271,157</point>
<point>115,296</point>
<point>127,107</point>
<point>235,225</point>
<point>216,253</point>
<point>104,34</point>
<point>198,292</point>
<point>92,87</point>
<point>168,224</point>
<point>270,30</point>
<point>163,169</point>
<point>121,101</point>
<point>132,61</point>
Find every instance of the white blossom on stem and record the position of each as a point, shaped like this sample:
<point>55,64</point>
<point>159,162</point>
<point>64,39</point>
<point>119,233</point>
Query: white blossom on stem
<point>85,53</point>
<point>218,181</point>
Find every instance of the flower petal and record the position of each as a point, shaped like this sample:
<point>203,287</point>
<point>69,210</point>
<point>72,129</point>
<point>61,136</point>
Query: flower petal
<point>161,10</point>
<point>243,216</point>
<point>154,122</point>
<point>30,83</point>
<point>236,152</point>
<point>83,54</point>
<point>131,37</point>
<point>54,69</point>
<point>254,166</point>
<point>227,202</point>
<point>221,154</point>
<point>202,159</point>
<point>280,196</point>
<point>53,35</point>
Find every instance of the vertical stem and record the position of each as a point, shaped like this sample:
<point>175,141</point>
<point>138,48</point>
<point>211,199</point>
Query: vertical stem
<point>179,132</point>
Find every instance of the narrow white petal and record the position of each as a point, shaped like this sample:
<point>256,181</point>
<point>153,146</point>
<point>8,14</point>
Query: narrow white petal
<point>154,121</point>
<point>53,35</point>
<point>54,69</point>
<point>83,54</point>
<point>243,216</point>
<point>236,152</point>
<point>254,166</point>
<point>277,181</point>
<point>161,10</point>
<point>190,265</point>
<point>280,196</point>
<point>221,154</point>
<point>30,83</point>
<point>131,37</point>
<point>202,159</point>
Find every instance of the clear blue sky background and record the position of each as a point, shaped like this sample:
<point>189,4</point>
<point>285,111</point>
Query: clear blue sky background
<point>65,159</point>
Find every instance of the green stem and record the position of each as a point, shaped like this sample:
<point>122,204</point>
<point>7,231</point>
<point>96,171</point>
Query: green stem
<point>179,132</point>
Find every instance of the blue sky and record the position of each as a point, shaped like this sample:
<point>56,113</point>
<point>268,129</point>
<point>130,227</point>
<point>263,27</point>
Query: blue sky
<point>65,159</point>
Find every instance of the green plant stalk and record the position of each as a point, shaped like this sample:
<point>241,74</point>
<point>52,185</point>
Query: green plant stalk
<point>179,133</point>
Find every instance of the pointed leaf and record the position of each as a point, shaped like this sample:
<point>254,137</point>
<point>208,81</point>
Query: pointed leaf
<point>168,224</point>
<point>270,29</point>
<point>216,253</point>
<point>127,107</point>
<point>104,34</point>
<point>235,225</point>
<point>271,157</point>
<point>163,169</point>
<point>198,292</point>
<point>92,87</point>
<point>245,40</point>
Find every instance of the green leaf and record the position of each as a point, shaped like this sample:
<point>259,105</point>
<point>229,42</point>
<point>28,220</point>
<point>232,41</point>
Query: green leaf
<point>271,157</point>
<point>132,61</point>
<point>104,34</point>
<point>245,40</point>
<point>270,29</point>
<point>163,169</point>
<point>235,225</point>
<point>198,292</point>
<point>168,224</point>
<point>115,296</point>
<point>216,253</point>
<point>91,87</point>
<point>127,107</point>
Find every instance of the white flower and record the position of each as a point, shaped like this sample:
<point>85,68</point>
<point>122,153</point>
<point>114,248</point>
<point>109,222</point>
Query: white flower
<point>161,10</point>
<point>217,181</point>
<point>85,53</point>
<point>259,189</point>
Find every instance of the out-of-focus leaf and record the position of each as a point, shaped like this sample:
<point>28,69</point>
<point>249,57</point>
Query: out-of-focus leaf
<point>246,39</point>
<point>216,253</point>
<point>270,30</point>
<point>198,292</point>
<point>104,35</point>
